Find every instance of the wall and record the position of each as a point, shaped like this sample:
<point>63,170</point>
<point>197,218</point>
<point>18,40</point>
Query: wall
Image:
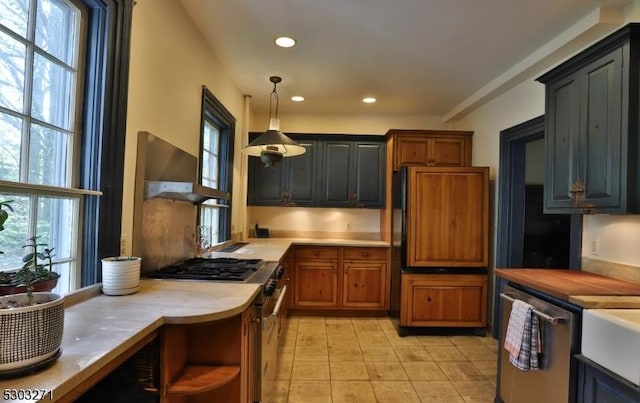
<point>165,89</point>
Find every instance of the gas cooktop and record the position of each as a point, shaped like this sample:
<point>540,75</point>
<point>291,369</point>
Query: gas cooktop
<point>216,269</point>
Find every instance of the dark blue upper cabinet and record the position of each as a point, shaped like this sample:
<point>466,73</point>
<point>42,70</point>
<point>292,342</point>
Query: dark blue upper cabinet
<point>334,172</point>
<point>592,123</point>
<point>353,174</point>
<point>291,182</point>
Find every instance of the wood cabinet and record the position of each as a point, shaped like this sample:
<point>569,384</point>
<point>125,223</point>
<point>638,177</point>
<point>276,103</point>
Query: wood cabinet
<point>353,174</point>
<point>431,148</point>
<point>316,277</point>
<point>592,128</point>
<point>210,362</point>
<point>364,281</point>
<point>336,171</point>
<point>443,300</point>
<point>599,385</point>
<point>447,217</point>
<point>341,278</point>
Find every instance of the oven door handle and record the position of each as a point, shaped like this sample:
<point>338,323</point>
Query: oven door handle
<point>281,298</point>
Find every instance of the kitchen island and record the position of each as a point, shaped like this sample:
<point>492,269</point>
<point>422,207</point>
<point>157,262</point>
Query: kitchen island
<point>101,332</point>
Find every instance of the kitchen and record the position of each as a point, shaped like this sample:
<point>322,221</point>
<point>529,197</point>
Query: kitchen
<point>615,236</point>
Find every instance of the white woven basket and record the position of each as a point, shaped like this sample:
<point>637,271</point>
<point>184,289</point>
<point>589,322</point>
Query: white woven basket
<point>32,334</point>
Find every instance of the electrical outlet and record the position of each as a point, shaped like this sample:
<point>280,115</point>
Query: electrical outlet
<point>123,245</point>
<point>348,226</point>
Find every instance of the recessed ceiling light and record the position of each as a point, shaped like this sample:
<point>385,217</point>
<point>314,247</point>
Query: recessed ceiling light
<point>297,98</point>
<point>285,41</point>
<point>368,100</point>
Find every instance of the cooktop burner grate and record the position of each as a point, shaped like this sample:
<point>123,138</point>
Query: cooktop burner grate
<point>225,269</point>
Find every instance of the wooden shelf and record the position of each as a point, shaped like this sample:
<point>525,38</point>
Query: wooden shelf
<point>201,378</point>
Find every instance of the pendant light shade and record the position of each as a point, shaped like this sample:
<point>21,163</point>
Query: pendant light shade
<point>273,145</point>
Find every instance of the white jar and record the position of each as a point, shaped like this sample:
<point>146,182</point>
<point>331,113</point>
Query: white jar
<point>120,275</point>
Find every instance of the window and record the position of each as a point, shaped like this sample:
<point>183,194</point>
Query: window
<point>216,168</point>
<point>40,80</point>
<point>61,64</point>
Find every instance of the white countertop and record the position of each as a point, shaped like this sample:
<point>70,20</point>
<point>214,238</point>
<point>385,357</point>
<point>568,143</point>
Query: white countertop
<point>101,328</point>
<point>273,249</point>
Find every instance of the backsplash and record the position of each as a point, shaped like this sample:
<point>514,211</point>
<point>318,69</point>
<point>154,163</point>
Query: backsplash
<point>298,222</point>
<point>611,246</point>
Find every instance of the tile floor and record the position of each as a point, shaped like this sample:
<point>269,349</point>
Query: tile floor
<point>364,360</point>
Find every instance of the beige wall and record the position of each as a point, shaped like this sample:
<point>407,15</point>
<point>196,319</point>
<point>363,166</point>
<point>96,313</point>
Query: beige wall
<point>170,62</point>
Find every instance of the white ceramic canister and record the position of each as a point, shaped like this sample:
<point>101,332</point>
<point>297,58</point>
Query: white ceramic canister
<point>120,275</point>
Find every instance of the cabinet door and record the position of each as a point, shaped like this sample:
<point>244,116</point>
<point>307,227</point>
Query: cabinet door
<point>369,160</point>
<point>265,183</point>
<point>448,217</point>
<point>364,285</point>
<point>601,137</point>
<point>443,300</point>
<point>316,284</point>
<point>448,151</point>
<point>337,174</point>
<point>300,182</point>
<point>411,150</point>
<point>598,385</point>
<point>561,142</point>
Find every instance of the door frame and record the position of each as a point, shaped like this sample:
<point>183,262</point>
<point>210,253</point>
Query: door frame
<point>510,214</point>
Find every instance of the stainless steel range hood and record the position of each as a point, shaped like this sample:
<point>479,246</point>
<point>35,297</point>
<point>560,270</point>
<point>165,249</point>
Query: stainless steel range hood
<point>170,173</point>
<point>187,191</point>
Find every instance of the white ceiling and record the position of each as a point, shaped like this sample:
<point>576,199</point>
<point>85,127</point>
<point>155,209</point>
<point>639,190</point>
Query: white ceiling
<point>421,57</point>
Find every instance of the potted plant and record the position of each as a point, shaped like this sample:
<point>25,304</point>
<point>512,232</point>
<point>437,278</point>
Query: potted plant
<point>31,323</point>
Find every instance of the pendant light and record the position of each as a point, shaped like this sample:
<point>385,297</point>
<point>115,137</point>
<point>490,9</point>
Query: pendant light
<point>273,144</point>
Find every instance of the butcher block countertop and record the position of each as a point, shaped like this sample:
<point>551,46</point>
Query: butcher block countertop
<point>584,289</point>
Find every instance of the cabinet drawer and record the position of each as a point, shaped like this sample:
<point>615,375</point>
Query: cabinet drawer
<point>315,252</point>
<point>360,253</point>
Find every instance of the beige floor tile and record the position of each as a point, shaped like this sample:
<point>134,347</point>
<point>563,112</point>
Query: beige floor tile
<point>396,340</point>
<point>345,353</point>
<point>311,354</point>
<point>487,368</point>
<point>311,340</point>
<point>480,353</point>
<point>366,324</point>
<point>346,340</point>
<point>424,371</point>
<point>373,339</point>
<point>285,354</point>
<point>352,392</point>
<point>386,324</point>
<point>434,340</point>
<point>466,340</point>
<point>394,392</point>
<point>280,392</point>
<point>445,353</point>
<point>386,371</point>
<point>476,391</point>
<point>412,353</point>
<point>310,371</point>
<point>283,371</point>
<point>379,354</point>
<point>310,392</point>
<point>437,392</point>
<point>348,371</point>
<point>460,370</point>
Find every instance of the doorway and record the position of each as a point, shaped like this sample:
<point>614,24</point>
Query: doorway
<point>525,236</point>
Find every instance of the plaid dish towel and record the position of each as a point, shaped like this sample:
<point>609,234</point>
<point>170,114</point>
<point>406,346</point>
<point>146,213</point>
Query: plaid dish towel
<point>523,337</point>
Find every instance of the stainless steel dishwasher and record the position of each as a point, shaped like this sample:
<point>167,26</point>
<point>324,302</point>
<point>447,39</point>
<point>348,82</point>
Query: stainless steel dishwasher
<point>555,380</point>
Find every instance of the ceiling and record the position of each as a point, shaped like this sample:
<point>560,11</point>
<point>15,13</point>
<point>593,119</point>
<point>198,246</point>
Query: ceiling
<point>418,57</point>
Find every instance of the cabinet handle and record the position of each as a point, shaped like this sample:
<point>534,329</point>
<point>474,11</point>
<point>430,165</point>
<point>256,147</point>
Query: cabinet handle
<point>316,253</point>
<point>365,254</point>
<point>428,299</point>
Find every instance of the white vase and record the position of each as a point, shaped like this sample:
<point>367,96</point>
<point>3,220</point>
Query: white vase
<point>120,275</point>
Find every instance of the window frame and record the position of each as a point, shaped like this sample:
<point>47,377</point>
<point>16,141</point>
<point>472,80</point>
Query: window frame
<point>215,112</point>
